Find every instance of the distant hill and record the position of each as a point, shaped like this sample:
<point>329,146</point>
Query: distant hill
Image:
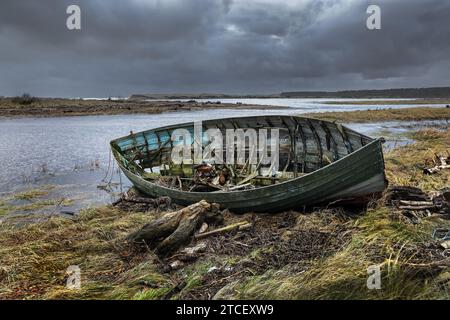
<point>442,92</point>
<point>183,96</point>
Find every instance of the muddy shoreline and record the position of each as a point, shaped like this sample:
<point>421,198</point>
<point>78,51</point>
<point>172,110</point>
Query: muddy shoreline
<point>77,107</point>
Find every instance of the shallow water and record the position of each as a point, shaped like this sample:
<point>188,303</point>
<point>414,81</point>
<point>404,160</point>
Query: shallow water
<point>320,105</point>
<point>73,152</point>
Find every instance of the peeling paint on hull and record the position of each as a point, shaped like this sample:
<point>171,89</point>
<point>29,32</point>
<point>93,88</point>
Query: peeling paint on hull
<point>356,173</point>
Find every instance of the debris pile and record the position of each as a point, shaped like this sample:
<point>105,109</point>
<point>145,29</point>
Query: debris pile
<point>131,201</point>
<point>443,235</point>
<point>414,204</point>
<point>212,178</point>
<point>273,242</point>
<point>439,163</point>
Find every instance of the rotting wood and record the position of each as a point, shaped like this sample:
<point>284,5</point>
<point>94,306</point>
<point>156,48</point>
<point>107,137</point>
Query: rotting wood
<point>331,142</point>
<point>152,202</point>
<point>414,204</point>
<point>397,193</point>
<point>240,226</point>
<point>175,229</point>
<point>441,163</point>
<point>305,148</point>
<point>416,207</point>
<point>345,138</point>
<point>317,141</point>
<point>159,151</point>
<point>241,186</point>
<point>294,151</point>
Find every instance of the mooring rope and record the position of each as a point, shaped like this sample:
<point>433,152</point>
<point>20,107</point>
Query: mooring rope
<point>120,181</point>
<point>112,173</point>
<point>109,166</point>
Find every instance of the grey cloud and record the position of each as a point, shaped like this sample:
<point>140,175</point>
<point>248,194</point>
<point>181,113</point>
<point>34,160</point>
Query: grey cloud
<point>236,46</point>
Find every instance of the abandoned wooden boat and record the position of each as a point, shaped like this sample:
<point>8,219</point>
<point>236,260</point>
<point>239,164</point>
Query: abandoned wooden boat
<point>318,162</point>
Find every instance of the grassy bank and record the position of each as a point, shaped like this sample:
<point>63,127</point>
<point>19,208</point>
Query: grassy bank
<point>425,102</point>
<point>407,114</point>
<point>43,107</point>
<point>321,255</point>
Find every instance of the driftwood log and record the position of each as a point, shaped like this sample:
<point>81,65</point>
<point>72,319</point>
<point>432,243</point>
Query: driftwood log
<point>406,193</point>
<point>415,204</point>
<point>176,229</point>
<point>133,201</point>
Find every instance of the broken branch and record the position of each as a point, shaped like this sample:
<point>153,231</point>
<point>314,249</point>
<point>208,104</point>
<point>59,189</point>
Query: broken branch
<point>240,226</point>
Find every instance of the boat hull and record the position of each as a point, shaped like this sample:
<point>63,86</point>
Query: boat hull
<point>358,176</point>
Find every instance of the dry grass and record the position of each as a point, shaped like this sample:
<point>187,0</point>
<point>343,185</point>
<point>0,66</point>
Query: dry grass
<point>34,257</point>
<point>31,200</point>
<point>393,102</point>
<point>46,107</point>
<point>379,241</point>
<point>407,114</point>
<point>33,193</point>
<point>404,166</point>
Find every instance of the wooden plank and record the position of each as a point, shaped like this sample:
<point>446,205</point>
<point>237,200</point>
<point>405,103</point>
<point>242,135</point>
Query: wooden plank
<point>330,140</point>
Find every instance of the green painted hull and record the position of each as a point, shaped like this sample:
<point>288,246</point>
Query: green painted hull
<point>355,176</point>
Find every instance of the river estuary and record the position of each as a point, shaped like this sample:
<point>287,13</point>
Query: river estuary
<point>72,153</point>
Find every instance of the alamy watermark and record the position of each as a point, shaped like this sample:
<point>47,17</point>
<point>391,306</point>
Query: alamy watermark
<point>241,146</point>
<point>374,277</point>
<point>73,21</point>
<point>374,20</point>
<point>73,278</point>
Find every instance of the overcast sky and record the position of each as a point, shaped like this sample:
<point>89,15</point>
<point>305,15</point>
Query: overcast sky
<point>220,46</point>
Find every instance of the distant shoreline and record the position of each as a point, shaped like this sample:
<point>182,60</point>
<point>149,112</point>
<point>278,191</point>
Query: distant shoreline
<point>401,93</point>
<point>46,107</point>
<point>383,115</point>
<point>49,107</point>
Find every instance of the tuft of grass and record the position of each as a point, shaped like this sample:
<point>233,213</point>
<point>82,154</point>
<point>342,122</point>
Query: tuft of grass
<point>152,294</point>
<point>33,193</point>
<point>428,135</point>
<point>35,206</point>
<point>4,208</point>
<point>32,200</point>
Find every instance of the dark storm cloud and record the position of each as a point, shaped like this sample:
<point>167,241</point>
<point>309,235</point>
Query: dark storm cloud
<point>238,46</point>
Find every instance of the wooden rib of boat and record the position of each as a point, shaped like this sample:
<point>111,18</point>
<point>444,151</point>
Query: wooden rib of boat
<point>320,162</point>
